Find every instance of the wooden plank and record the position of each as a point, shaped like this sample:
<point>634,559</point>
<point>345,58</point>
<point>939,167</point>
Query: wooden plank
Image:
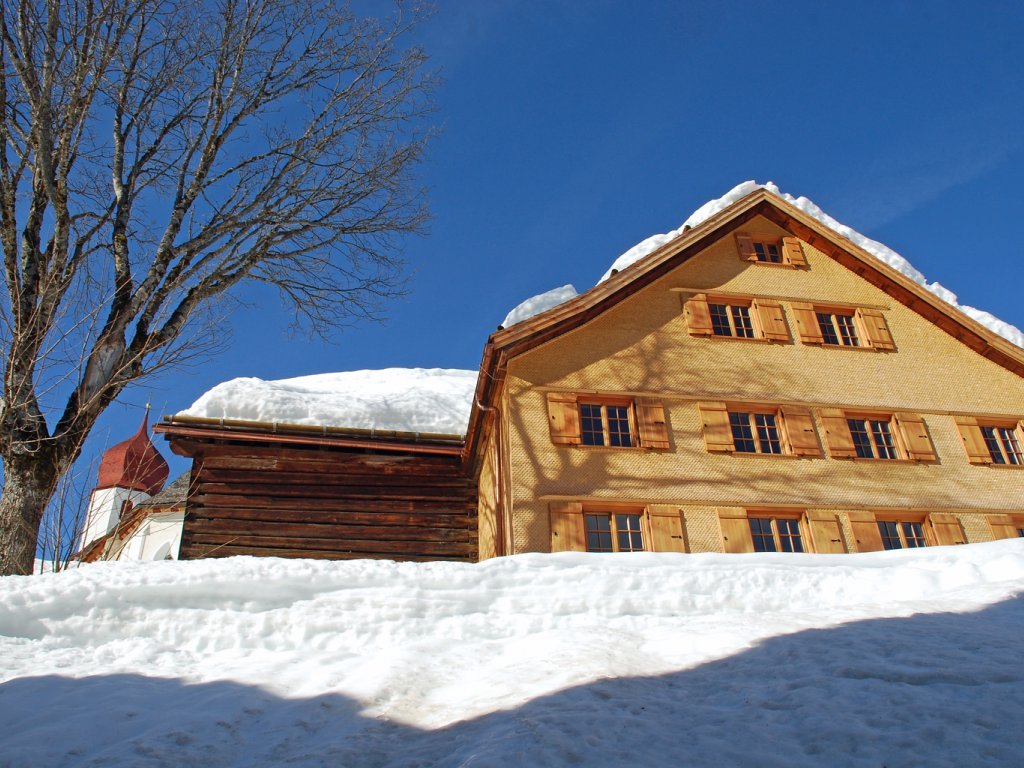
<point>367,547</point>
<point>406,493</point>
<point>321,477</point>
<point>314,554</point>
<point>325,531</point>
<point>466,519</point>
<point>368,499</point>
<point>305,506</point>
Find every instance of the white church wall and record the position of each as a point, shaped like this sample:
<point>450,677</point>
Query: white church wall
<point>158,537</point>
<point>105,507</point>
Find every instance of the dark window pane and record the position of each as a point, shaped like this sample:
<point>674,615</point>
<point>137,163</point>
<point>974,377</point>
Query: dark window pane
<point>861,441</point>
<point>847,330</point>
<point>761,533</point>
<point>773,253</point>
<point>720,320</point>
<point>884,446</point>
<point>760,252</point>
<point>828,330</point>
<point>1011,445</point>
<point>628,527</point>
<point>767,433</point>
<point>741,320</point>
<point>599,534</point>
<point>618,425</point>
<point>742,434</point>
<point>789,535</point>
<point>890,535</point>
<point>914,534</point>
<point>591,428</point>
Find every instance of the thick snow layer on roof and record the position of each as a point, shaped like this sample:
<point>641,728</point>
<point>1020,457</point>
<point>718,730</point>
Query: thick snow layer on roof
<point>403,399</point>
<point>539,303</point>
<point>888,658</point>
<point>876,249</point>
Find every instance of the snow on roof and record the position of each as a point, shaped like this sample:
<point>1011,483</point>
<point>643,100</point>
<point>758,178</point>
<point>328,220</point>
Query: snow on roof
<point>434,400</point>
<point>539,303</point>
<point>881,252</point>
<point>862,659</point>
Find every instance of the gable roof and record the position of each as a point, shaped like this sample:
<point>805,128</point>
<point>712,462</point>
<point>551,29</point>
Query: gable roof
<point>507,343</point>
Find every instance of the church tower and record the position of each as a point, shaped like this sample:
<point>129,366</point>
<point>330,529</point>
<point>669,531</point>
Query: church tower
<point>131,472</point>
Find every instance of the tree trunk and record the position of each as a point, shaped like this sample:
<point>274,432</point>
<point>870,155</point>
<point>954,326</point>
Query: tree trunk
<point>29,484</point>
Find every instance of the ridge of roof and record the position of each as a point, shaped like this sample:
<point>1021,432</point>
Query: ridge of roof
<point>509,342</point>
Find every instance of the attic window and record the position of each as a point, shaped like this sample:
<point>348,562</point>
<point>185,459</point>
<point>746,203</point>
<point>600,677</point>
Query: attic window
<point>788,251</point>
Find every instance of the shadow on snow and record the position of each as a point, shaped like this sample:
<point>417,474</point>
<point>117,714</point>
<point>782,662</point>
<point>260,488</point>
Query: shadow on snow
<point>935,689</point>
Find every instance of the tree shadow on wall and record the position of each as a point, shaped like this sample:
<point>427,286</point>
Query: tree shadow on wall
<point>933,689</point>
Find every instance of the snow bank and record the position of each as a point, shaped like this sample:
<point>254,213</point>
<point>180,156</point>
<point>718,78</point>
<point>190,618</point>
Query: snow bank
<point>876,249</point>
<point>895,658</point>
<point>403,399</point>
<point>539,303</point>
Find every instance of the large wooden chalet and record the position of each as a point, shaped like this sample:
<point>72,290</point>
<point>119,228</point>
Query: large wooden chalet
<point>760,382</point>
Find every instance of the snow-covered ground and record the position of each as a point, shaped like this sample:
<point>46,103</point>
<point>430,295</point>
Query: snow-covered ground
<point>895,659</point>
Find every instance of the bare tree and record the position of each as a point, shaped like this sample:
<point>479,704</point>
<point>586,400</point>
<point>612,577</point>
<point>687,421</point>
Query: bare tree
<point>156,155</point>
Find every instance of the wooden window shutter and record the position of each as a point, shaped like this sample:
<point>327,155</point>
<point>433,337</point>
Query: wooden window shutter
<point>807,323</point>
<point>974,441</point>
<point>650,418</point>
<point>793,251</point>
<point>837,434</point>
<point>567,533</point>
<point>946,529</point>
<point>915,437</point>
<point>1002,527</point>
<point>770,319</point>
<point>876,330</point>
<point>865,531</point>
<point>745,244</point>
<point>717,432</point>
<point>698,316</point>
<point>826,534</point>
<point>666,529</point>
<point>563,418</point>
<point>799,426</point>
<point>735,529</point>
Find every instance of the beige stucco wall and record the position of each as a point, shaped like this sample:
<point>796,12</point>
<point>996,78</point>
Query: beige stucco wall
<point>642,347</point>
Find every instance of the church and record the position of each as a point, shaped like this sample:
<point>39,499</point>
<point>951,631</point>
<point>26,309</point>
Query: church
<point>761,379</point>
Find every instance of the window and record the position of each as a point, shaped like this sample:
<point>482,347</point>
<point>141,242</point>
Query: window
<point>874,531</point>
<point>738,317</point>
<point>764,530</point>
<point>766,250</point>
<point>615,422</point>
<point>612,527</point>
<point>1003,445</point>
<point>731,320</point>
<point>613,532</point>
<point>838,328</point>
<point>885,437</point>
<point>775,534</point>
<point>605,424</point>
<point>861,327</point>
<point>996,442</point>
<point>872,438</point>
<point>744,428</point>
<point>901,534</point>
<point>755,432</point>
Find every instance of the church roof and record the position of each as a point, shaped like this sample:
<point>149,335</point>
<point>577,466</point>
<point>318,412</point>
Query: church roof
<point>134,463</point>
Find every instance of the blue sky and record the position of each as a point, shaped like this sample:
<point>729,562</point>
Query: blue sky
<point>572,130</point>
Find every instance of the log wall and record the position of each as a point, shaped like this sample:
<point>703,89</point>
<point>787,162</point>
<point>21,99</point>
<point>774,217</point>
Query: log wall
<point>251,499</point>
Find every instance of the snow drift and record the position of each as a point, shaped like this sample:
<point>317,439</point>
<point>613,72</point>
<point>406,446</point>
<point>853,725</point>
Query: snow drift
<point>895,658</point>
